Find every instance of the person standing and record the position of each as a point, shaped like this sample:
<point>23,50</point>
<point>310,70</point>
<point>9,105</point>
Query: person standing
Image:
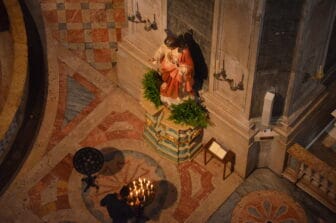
<point>117,206</point>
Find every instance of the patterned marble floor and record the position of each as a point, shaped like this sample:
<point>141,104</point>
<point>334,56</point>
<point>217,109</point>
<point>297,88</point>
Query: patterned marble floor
<point>86,108</point>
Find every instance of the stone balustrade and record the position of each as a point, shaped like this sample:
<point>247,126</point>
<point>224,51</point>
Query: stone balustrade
<point>311,175</point>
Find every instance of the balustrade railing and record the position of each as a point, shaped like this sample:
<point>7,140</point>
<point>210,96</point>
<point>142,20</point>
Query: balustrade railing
<point>311,175</point>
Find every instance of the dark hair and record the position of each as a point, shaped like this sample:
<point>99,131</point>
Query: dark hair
<point>124,192</point>
<point>171,42</point>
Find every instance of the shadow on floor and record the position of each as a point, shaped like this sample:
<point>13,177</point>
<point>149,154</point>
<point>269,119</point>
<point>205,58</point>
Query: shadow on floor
<point>115,159</point>
<point>165,197</point>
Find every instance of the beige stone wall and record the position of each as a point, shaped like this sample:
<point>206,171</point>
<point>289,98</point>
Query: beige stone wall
<point>132,64</point>
<point>236,32</point>
<point>135,33</point>
<point>235,50</point>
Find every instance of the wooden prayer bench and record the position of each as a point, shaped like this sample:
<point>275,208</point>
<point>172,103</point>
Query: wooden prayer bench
<point>220,153</point>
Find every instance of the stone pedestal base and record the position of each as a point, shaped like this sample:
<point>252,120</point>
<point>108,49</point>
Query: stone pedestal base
<point>173,141</point>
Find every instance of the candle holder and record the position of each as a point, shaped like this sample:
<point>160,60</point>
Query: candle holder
<point>141,192</point>
<point>222,76</point>
<point>137,18</point>
<point>88,161</point>
<point>319,74</point>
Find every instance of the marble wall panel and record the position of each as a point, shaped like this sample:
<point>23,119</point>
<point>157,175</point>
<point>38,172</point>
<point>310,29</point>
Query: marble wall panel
<point>312,47</point>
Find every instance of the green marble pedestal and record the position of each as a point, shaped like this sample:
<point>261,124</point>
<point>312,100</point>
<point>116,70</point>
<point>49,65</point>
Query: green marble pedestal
<point>173,141</point>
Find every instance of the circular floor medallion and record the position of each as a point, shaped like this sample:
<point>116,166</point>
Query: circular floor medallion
<point>132,165</point>
<point>268,207</point>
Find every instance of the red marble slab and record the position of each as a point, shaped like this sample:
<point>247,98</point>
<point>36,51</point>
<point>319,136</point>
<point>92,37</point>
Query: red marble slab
<point>73,15</point>
<point>100,35</point>
<point>119,15</point>
<point>102,55</point>
<point>75,35</point>
<point>98,15</point>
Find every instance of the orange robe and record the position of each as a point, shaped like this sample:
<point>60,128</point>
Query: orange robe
<point>177,75</point>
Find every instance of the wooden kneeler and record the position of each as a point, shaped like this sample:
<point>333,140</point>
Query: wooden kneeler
<point>220,153</point>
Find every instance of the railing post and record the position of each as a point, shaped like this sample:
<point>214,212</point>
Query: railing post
<point>324,185</point>
<point>311,175</point>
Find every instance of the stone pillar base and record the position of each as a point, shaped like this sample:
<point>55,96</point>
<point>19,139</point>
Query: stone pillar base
<point>174,141</point>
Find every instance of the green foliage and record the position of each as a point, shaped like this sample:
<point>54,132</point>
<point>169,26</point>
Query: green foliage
<point>151,85</point>
<point>191,113</point>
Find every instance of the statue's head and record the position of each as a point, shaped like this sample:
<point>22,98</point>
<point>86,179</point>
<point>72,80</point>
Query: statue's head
<point>171,42</point>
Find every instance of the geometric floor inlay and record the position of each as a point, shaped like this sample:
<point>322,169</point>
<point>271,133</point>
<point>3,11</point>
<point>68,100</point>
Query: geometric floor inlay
<point>70,112</point>
<point>268,207</point>
<point>50,194</point>
<point>196,184</point>
<point>117,125</point>
<point>78,98</point>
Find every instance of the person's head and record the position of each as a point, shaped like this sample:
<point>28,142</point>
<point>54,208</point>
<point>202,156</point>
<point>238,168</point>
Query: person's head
<point>124,192</point>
